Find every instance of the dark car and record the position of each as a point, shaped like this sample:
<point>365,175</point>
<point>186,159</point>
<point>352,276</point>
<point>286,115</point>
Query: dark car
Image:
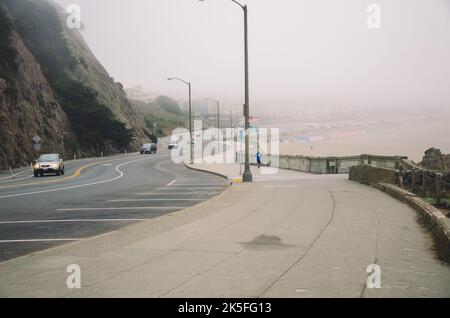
<point>149,148</point>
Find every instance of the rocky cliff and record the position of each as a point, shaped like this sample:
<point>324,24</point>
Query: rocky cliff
<point>53,86</point>
<point>435,160</point>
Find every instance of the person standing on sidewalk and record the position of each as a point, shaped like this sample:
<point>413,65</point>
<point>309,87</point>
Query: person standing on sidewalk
<point>258,159</point>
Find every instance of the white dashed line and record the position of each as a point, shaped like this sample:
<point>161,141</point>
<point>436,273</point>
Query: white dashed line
<point>178,193</point>
<point>39,240</point>
<point>126,208</point>
<point>192,188</point>
<point>139,200</point>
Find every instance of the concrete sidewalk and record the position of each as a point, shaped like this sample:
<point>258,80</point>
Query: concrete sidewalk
<point>290,234</point>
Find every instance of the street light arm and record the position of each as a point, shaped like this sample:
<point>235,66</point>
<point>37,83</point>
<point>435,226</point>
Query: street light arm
<point>212,100</point>
<point>242,6</point>
<point>178,79</point>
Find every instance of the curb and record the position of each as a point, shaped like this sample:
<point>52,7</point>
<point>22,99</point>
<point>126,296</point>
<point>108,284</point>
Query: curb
<point>435,221</point>
<point>125,228</point>
<point>208,171</point>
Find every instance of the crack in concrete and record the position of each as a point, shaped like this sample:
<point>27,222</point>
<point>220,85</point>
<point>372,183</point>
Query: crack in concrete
<point>307,250</point>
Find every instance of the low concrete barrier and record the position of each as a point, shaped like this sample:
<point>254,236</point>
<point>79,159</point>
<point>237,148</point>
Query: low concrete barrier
<point>372,175</point>
<point>435,221</point>
<point>326,165</point>
<point>387,179</point>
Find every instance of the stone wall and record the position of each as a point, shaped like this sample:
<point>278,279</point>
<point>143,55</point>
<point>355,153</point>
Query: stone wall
<point>369,174</point>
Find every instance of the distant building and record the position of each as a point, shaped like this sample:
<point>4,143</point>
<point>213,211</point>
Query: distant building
<point>137,93</point>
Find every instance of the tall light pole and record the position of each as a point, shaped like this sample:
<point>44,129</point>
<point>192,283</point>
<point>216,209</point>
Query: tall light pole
<point>247,176</point>
<point>190,114</point>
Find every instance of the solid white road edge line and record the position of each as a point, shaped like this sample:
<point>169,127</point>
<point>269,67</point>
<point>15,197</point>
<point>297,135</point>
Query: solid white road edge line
<point>121,174</point>
<point>12,180</point>
<point>15,174</point>
<point>71,220</point>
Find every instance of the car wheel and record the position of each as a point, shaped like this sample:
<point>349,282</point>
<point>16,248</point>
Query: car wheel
<point>58,172</point>
<point>63,170</point>
<point>36,174</point>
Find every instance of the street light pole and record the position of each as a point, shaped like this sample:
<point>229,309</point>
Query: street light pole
<point>190,114</point>
<point>247,176</point>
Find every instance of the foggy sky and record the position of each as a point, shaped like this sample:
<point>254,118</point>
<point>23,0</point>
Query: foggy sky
<point>302,52</point>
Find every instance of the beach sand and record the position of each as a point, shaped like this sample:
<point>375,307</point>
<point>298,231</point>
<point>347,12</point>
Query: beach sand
<point>409,139</point>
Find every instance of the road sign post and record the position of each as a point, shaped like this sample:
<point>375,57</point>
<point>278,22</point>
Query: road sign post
<point>37,144</point>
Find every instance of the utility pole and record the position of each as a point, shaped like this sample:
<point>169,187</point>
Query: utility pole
<point>247,176</point>
<point>190,114</point>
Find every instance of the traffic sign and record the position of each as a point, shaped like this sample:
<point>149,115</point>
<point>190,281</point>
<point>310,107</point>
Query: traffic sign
<point>37,139</point>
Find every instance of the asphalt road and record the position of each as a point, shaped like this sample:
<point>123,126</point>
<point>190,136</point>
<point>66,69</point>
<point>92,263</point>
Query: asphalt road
<point>93,197</point>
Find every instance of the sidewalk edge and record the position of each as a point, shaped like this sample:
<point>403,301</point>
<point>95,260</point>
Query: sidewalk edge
<point>429,216</point>
<point>82,240</point>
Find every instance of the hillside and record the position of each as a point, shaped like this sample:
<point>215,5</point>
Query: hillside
<point>52,85</point>
<point>163,112</point>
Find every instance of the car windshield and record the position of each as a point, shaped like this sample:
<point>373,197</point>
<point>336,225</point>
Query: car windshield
<point>44,158</point>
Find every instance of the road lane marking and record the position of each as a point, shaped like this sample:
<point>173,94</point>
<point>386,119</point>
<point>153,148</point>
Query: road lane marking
<point>39,240</point>
<point>178,193</point>
<point>198,185</point>
<point>121,174</point>
<point>197,179</point>
<point>192,188</point>
<point>14,175</point>
<point>125,208</point>
<point>12,180</point>
<point>172,182</point>
<point>139,200</point>
<point>76,174</point>
<point>71,220</point>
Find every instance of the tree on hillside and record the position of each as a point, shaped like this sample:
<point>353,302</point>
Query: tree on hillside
<point>168,104</point>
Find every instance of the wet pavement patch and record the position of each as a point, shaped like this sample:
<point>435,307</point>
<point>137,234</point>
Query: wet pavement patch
<point>265,242</point>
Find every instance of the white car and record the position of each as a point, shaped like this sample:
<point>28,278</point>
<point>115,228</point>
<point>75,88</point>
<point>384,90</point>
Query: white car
<point>48,163</point>
<point>148,148</point>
